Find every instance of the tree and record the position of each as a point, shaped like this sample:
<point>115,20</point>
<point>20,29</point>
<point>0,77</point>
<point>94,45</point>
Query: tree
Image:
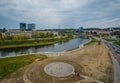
<point>2,38</point>
<point>35,34</point>
<point>41,35</point>
<point>18,38</point>
<point>4,30</point>
<point>49,34</point>
<point>99,42</point>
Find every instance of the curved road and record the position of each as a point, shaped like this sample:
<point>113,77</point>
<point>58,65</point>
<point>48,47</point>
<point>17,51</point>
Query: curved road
<point>114,51</point>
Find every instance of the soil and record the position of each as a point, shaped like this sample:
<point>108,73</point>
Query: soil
<point>93,61</point>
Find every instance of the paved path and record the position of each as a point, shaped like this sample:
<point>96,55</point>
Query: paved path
<point>116,68</point>
<point>59,69</point>
<point>86,77</point>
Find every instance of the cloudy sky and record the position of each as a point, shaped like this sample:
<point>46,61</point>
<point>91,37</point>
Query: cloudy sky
<point>60,13</point>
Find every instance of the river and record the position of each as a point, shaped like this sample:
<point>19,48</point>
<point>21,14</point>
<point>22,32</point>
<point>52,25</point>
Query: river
<point>58,47</point>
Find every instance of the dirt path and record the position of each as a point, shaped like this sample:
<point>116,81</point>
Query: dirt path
<point>93,62</point>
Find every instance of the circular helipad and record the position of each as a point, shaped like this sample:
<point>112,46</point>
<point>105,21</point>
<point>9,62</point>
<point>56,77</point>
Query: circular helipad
<point>59,69</point>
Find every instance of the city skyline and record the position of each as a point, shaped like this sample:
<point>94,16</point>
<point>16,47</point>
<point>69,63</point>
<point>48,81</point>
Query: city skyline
<point>49,14</point>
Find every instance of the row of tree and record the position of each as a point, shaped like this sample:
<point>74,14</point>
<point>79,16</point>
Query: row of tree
<point>36,34</point>
<point>21,37</point>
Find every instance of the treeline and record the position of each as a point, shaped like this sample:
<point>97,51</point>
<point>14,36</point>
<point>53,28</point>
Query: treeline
<point>36,35</point>
<point>37,38</point>
<point>25,36</point>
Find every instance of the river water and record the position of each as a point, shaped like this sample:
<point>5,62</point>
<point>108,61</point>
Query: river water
<point>58,47</point>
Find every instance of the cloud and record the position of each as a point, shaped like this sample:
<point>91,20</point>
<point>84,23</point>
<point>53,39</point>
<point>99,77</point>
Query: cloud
<point>104,23</point>
<point>52,13</point>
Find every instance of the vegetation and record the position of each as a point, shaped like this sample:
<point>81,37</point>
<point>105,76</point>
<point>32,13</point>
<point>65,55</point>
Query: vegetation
<point>117,43</point>
<point>29,43</point>
<point>18,38</point>
<point>26,40</point>
<point>68,32</point>
<point>12,64</point>
<point>110,40</point>
<point>91,41</point>
<point>113,41</point>
<point>2,38</point>
<point>36,35</point>
<point>24,36</point>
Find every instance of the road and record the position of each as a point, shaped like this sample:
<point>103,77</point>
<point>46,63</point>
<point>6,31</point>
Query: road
<point>115,55</point>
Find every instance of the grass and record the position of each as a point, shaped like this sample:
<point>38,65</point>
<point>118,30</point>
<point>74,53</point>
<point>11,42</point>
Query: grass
<point>27,45</point>
<point>91,41</point>
<point>32,43</point>
<point>12,64</point>
<point>117,43</point>
<point>110,40</point>
<point>113,41</point>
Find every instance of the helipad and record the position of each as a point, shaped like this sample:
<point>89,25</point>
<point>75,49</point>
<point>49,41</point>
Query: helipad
<point>59,69</point>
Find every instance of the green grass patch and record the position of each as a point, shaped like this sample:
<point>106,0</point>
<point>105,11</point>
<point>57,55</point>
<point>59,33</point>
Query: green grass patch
<point>32,43</point>
<point>27,45</point>
<point>12,64</point>
<point>91,41</point>
<point>113,41</point>
<point>110,40</point>
<point>117,43</point>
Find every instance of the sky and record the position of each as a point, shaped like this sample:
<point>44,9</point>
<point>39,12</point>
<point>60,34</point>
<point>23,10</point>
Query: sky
<point>51,14</point>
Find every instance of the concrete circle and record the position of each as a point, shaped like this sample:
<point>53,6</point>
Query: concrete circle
<point>59,69</point>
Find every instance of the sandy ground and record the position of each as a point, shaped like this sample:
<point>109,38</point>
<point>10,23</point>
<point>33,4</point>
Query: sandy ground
<point>93,61</point>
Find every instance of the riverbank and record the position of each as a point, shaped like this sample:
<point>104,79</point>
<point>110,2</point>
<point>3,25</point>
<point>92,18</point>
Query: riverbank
<point>83,60</point>
<point>32,43</point>
<point>92,40</point>
<point>12,64</point>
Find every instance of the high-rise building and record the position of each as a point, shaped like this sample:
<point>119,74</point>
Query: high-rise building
<point>22,26</point>
<point>81,29</point>
<point>31,26</point>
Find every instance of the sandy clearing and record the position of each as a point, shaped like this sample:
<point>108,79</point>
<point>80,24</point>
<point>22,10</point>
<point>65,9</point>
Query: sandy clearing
<point>93,61</point>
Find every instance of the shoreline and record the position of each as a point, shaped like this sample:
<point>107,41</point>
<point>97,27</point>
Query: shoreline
<point>59,53</point>
<point>81,46</point>
<point>35,44</point>
<point>27,45</point>
<point>81,60</point>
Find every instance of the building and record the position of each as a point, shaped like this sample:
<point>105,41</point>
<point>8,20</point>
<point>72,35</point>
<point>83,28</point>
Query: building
<point>81,30</point>
<point>31,26</point>
<point>22,26</point>
<point>3,30</point>
<point>26,33</point>
<point>13,30</point>
<point>99,32</point>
